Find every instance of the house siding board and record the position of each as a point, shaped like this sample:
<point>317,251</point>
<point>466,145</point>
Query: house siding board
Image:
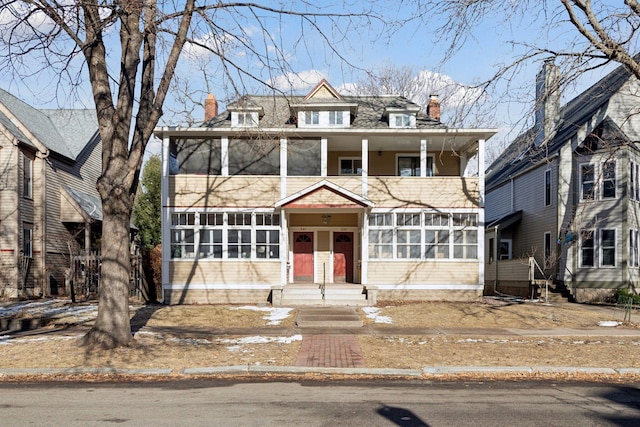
<point>211,272</point>
<point>426,193</point>
<point>9,155</point>
<point>218,191</point>
<point>425,272</point>
<point>498,202</point>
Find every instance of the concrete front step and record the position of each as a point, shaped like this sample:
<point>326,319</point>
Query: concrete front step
<point>328,317</point>
<point>335,294</point>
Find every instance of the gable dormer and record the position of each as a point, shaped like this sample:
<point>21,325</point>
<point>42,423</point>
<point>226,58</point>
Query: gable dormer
<point>402,116</point>
<point>324,107</point>
<point>245,113</point>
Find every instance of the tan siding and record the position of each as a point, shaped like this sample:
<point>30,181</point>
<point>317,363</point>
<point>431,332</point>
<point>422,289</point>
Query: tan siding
<point>296,184</point>
<point>426,272</point>
<point>384,163</point>
<point>429,192</point>
<point>323,255</point>
<point>219,191</point>
<point>446,163</point>
<point>224,272</point>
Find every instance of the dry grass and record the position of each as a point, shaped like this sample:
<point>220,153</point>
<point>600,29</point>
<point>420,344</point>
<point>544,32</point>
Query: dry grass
<point>198,349</point>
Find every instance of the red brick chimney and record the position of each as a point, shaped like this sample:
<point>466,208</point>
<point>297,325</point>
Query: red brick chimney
<point>433,109</point>
<point>210,107</point>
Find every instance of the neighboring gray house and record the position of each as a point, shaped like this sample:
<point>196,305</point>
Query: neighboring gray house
<point>566,193</point>
<point>49,206</point>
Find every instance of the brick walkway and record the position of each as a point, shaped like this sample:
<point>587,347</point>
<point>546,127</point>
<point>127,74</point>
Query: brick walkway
<point>331,351</point>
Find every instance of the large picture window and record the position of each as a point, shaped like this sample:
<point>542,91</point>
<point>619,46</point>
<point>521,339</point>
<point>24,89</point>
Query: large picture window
<point>229,235</point>
<point>416,235</point>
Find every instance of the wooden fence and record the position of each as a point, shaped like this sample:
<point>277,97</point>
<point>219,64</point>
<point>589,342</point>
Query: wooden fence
<point>85,275</point>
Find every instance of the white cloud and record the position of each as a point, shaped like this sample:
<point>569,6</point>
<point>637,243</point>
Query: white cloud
<point>298,82</point>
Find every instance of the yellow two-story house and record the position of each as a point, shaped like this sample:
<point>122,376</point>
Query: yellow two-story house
<point>307,198</point>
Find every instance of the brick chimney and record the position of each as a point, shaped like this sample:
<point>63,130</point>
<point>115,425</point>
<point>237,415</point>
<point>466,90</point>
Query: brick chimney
<point>210,107</point>
<point>433,109</point>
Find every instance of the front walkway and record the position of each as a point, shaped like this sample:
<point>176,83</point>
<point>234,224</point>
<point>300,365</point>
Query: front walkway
<point>331,351</point>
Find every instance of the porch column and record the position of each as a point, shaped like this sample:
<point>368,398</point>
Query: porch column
<point>423,158</point>
<point>283,167</point>
<point>481,235</point>
<point>165,219</point>
<point>284,252</point>
<point>364,250</point>
<point>323,156</point>
<point>87,237</point>
<point>224,154</point>
<point>365,166</point>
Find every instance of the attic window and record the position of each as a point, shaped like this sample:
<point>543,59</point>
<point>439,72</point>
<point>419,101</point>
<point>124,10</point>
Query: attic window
<point>244,119</point>
<point>402,120</point>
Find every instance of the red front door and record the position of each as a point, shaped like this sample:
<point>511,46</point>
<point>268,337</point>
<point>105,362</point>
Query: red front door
<point>343,257</point>
<point>303,257</point>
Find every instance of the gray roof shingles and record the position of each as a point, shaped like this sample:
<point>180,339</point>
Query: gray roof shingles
<point>522,152</point>
<point>65,132</point>
<point>370,115</point>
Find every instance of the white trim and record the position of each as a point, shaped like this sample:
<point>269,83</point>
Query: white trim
<point>224,156</point>
<point>165,219</point>
<point>365,166</point>
<point>324,183</point>
<point>423,158</point>
<point>284,145</point>
<point>341,158</point>
<point>323,156</point>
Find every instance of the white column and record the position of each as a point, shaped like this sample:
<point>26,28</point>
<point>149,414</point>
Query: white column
<point>423,158</point>
<point>481,235</point>
<point>283,167</point>
<point>323,157</point>
<point>224,156</point>
<point>284,252</point>
<point>364,255</point>
<point>365,166</point>
<point>165,220</point>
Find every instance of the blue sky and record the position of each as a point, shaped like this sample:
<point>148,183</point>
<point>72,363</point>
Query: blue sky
<point>365,46</point>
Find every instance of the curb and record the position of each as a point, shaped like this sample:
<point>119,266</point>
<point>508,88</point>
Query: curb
<point>429,371</point>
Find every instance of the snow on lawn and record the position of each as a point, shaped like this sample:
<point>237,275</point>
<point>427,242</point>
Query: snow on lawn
<point>51,309</point>
<point>374,314</point>
<point>274,315</point>
<point>237,343</point>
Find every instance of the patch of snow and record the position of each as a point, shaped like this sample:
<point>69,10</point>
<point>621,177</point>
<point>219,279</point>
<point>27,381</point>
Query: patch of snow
<point>8,339</point>
<point>609,323</point>
<point>261,340</point>
<point>374,314</point>
<point>275,315</point>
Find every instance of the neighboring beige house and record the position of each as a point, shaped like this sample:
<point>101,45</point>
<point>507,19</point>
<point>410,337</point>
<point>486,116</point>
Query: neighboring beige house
<point>306,199</point>
<point>49,163</point>
<point>566,194</point>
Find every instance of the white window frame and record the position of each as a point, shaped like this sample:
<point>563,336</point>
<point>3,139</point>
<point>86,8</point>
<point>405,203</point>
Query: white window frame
<point>336,118</point>
<point>602,247</point>
<point>634,184</point>
<point>548,186</point>
<point>592,233</point>
<point>408,225</point>
<point>269,224</point>
<point>430,162</point>
<point>404,120</point>
<point>353,166</point>
<point>209,228</point>
<point>244,119</point>
<point>381,224</point>
<point>594,181</point>
<point>311,117</point>
<point>509,254</point>
<point>182,224</point>
<point>27,177</point>
<point>633,259</point>
<point>467,229</point>
<point>604,179</point>
<point>438,242</point>
<point>27,240</point>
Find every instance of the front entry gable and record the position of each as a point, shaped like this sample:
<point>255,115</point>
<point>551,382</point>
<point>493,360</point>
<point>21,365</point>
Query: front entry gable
<point>322,195</point>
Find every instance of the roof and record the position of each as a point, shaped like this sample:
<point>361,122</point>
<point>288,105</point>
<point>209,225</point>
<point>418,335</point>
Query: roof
<point>522,153</point>
<point>91,205</point>
<point>370,111</point>
<point>65,132</point>
<point>505,221</point>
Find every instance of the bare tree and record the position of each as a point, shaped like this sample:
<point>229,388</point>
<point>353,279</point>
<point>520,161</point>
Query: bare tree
<point>129,52</point>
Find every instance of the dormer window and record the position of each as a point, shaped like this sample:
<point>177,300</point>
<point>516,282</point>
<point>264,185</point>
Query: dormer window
<point>402,120</point>
<point>336,117</point>
<point>244,119</point>
<point>311,117</point>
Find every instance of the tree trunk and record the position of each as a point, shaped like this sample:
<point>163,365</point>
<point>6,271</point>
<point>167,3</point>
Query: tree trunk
<point>113,327</point>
